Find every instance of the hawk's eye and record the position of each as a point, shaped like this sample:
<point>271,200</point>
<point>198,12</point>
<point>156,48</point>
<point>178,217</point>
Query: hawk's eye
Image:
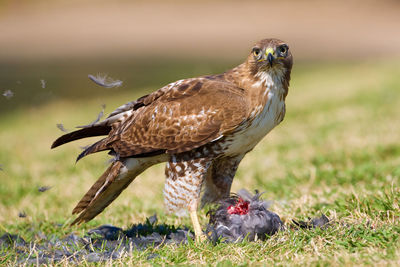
<point>283,50</point>
<point>256,51</point>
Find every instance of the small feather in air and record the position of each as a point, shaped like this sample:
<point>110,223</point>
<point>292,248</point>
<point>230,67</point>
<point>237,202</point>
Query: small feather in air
<point>43,83</point>
<point>8,94</point>
<point>61,127</point>
<point>43,188</point>
<point>105,81</point>
<point>96,120</point>
<point>22,214</point>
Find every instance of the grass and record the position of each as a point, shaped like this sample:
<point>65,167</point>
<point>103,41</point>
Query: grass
<point>337,152</point>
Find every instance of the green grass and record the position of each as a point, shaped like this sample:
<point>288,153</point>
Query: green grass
<point>337,152</point>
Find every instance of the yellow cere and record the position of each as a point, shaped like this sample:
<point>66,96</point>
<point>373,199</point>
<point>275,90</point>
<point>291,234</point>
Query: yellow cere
<point>270,51</point>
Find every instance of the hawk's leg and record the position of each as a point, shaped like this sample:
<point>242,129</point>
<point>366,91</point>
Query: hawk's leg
<point>218,183</point>
<point>200,236</point>
<point>185,176</point>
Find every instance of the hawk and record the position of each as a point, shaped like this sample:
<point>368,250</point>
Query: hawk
<point>201,127</point>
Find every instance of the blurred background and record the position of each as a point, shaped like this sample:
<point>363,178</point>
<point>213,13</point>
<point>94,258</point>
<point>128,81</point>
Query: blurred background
<point>151,43</point>
<point>343,100</point>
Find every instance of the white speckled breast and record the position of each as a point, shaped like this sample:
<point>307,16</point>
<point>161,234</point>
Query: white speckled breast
<point>262,120</point>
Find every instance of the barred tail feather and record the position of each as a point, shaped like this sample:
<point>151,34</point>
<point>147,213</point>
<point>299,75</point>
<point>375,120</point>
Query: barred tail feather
<point>104,179</point>
<point>110,185</point>
<point>102,193</point>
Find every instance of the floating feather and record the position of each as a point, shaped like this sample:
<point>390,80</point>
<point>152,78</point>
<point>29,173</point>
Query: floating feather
<point>99,116</point>
<point>105,81</point>
<point>43,83</point>
<point>43,188</point>
<point>61,127</point>
<point>8,94</point>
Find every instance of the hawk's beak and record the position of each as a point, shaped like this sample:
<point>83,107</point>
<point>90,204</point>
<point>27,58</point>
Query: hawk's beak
<point>270,59</point>
<point>269,55</point>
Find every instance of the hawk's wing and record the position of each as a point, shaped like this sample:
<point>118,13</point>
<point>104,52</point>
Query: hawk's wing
<point>177,118</point>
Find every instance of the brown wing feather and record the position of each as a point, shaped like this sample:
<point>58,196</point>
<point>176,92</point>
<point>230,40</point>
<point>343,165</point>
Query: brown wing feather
<point>82,133</point>
<point>185,117</point>
<point>101,128</point>
<point>177,118</point>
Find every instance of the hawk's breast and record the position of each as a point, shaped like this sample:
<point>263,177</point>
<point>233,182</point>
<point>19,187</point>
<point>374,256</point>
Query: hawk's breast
<point>262,120</point>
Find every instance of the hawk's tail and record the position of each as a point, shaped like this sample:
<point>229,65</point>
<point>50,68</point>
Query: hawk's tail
<point>108,187</point>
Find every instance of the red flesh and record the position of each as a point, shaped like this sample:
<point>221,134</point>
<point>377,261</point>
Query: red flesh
<point>241,207</point>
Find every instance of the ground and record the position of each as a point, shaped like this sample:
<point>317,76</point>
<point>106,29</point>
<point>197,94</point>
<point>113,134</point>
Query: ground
<point>337,152</point>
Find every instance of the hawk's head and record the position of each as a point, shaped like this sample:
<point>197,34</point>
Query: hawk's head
<point>270,55</point>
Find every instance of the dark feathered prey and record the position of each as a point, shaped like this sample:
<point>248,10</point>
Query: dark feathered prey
<point>243,216</point>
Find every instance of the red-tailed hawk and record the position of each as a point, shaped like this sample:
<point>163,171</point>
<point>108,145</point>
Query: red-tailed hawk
<point>202,127</point>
